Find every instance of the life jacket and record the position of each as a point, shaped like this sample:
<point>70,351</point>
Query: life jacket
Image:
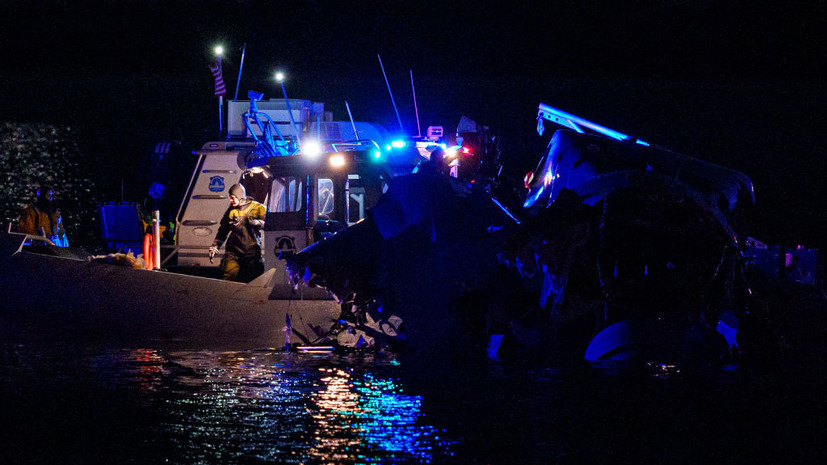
<point>38,222</point>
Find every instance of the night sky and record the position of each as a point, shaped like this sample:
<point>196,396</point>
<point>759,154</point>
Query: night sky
<point>738,83</point>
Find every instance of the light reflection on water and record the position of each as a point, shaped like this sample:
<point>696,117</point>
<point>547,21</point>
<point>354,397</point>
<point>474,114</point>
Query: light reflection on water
<point>376,411</point>
<point>268,406</point>
<point>196,407</point>
<point>88,406</point>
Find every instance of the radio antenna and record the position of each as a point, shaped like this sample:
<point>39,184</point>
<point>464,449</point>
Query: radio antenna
<point>240,68</point>
<point>391,93</point>
<point>356,133</point>
<point>416,110</point>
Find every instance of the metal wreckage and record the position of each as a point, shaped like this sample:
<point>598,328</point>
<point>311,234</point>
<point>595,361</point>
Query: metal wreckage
<point>620,250</point>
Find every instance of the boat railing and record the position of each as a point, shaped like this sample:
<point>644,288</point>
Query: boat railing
<point>14,241</point>
<point>25,237</point>
<point>266,146</point>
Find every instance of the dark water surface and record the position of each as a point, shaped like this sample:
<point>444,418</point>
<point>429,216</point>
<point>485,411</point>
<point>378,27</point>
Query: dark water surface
<point>69,404</point>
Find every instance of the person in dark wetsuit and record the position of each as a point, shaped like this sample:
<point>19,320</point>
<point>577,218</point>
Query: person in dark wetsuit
<point>240,228</point>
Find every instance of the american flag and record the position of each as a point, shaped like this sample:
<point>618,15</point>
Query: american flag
<point>220,90</point>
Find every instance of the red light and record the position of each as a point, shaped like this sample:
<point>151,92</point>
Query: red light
<point>527,179</point>
<point>466,151</point>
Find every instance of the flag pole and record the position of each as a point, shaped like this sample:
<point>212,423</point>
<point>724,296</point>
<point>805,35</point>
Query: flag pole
<point>221,114</point>
<point>220,90</point>
<point>220,105</point>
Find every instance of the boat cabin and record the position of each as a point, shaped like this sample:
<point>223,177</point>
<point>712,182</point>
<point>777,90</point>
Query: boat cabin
<point>312,186</point>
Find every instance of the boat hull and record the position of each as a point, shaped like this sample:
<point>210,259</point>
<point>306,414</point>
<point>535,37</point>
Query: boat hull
<point>56,297</point>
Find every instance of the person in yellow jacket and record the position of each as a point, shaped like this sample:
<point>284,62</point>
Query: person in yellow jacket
<point>43,218</point>
<point>241,228</point>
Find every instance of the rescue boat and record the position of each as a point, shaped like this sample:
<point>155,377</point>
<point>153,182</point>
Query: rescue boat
<point>315,175</point>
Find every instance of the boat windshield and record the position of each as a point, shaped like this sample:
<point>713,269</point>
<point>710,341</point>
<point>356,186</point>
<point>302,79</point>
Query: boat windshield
<point>286,195</point>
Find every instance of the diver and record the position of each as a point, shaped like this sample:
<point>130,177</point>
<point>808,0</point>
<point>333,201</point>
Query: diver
<point>43,217</point>
<point>241,228</point>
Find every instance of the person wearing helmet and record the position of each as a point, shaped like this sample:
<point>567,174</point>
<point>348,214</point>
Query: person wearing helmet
<point>43,217</point>
<point>240,232</point>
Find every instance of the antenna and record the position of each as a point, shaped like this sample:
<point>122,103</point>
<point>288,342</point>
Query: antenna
<point>389,91</point>
<point>240,67</point>
<point>290,112</point>
<point>416,110</point>
<point>356,133</point>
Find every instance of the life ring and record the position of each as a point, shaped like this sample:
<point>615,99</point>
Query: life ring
<point>149,251</point>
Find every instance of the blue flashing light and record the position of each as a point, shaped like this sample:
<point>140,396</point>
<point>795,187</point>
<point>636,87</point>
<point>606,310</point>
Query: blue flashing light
<point>377,155</point>
<point>398,144</point>
<point>388,147</point>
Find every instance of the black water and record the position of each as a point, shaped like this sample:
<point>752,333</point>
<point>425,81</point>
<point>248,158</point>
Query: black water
<point>70,404</point>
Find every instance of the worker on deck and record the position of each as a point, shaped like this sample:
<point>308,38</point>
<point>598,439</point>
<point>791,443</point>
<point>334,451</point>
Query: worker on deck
<point>43,218</point>
<point>241,228</point>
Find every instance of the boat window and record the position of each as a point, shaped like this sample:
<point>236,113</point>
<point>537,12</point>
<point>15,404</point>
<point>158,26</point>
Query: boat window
<point>363,192</point>
<point>355,190</point>
<point>326,199</point>
<point>285,195</point>
<point>257,184</point>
